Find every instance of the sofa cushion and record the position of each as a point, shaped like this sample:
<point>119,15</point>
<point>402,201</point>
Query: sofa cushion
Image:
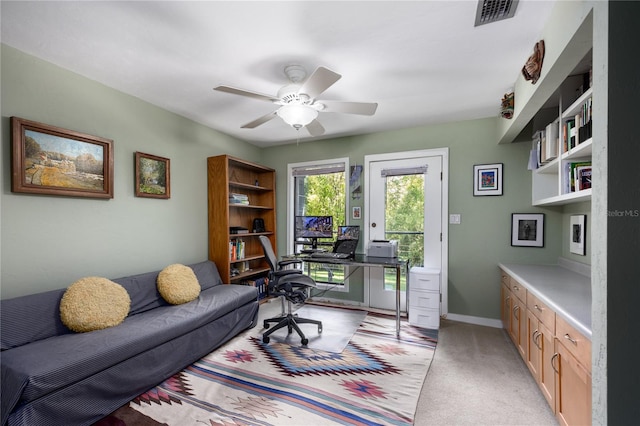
<point>94,303</point>
<point>178,284</point>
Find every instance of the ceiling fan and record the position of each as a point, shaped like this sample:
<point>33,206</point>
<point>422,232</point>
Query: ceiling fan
<point>298,105</point>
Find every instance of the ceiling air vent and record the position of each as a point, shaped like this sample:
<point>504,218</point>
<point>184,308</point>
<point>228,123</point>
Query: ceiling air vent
<point>494,10</point>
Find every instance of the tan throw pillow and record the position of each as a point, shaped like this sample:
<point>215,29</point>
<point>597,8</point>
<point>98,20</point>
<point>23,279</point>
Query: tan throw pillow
<point>178,284</point>
<point>94,303</point>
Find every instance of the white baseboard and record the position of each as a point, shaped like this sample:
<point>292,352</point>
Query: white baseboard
<point>475,320</point>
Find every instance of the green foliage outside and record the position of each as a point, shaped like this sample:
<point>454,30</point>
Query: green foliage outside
<point>404,216</point>
<point>325,196</point>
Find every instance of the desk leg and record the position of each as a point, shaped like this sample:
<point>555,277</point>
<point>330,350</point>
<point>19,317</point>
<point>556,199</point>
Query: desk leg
<point>398,302</point>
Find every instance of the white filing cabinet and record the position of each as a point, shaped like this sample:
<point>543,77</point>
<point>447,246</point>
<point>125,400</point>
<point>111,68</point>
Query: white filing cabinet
<point>424,297</point>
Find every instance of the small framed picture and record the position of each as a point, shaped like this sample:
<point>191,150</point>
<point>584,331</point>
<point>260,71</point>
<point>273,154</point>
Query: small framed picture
<point>487,179</point>
<point>527,229</point>
<point>576,241</point>
<point>152,176</point>
<point>356,213</point>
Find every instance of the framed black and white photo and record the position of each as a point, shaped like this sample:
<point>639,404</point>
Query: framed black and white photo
<point>527,229</point>
<point>487,179</point>
<point>576,241</point>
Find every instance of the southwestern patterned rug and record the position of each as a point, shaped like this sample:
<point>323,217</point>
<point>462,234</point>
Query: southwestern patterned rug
<point>376,379</point>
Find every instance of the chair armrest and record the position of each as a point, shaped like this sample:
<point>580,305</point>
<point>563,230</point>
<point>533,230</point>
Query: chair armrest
<point>284,263</point>
<point>285,272</point>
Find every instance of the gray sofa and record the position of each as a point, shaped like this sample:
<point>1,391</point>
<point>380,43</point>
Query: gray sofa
<point>53,376</point>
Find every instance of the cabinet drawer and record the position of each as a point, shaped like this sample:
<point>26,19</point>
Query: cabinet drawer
<point>422,281</point>
<point>424,299</point>
<point>426,318</point>
<point>504,278</point>
<point>541,311</point>
<point>518,290</point>
<point>574,342</point>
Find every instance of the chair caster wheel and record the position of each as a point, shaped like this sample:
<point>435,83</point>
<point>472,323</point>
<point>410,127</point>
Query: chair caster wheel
<point>266,325</point>
<point>319,329</point>
<point>265,339</point>
<point>305,342</point>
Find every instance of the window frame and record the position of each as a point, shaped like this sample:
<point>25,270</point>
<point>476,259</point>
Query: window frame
<point>291,194</point>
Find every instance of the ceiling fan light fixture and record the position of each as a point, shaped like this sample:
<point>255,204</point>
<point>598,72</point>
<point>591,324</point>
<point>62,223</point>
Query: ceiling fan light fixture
<point>297,116</point>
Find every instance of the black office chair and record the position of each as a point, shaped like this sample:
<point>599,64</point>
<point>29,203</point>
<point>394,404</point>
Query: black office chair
<point>291,284</point>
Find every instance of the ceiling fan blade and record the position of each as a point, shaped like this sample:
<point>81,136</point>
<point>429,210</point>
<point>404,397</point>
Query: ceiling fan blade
<point>361,108</point>
<point>255,123</point>
<point>241,92</point>
<point>315,128</point>
<point>321,79</point>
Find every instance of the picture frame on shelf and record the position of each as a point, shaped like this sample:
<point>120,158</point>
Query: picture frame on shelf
<point>50,160</point>
<point>527,229</point>
<point>487,179</point>
<point>577,243</point>
<point>152,176</point>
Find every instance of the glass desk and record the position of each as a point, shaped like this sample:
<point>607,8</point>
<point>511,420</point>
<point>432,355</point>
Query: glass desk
<point>367,262</point>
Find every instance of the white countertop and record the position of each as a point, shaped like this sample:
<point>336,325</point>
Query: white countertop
<point>567,292</point>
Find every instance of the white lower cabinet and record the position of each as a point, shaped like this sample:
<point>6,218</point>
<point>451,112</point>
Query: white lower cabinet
<point>424,297</point>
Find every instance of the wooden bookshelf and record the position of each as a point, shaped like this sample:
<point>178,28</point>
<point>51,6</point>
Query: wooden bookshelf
<point>255,185</point>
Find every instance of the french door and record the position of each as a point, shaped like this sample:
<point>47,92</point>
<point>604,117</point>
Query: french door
<point>405,202</point>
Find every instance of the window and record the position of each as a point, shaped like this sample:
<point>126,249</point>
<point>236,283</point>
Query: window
<point>318,189</point>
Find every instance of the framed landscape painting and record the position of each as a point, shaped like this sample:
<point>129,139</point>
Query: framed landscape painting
<point>50,160</point>
<point>152,176</point>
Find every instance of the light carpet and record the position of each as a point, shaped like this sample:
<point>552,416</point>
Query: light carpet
<point>375,380</point>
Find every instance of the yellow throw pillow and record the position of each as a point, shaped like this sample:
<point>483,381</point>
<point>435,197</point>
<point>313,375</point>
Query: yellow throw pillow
<point>94,303</point>
<point>178,284</point>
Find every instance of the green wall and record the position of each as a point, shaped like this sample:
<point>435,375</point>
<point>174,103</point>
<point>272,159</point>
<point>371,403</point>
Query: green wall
<point>49,242</point>
<point>482,240</point>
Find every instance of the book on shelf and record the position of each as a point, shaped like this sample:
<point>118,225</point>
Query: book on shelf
<point>538,137</point>
<point>583,177</point>
<point>569,135</point>
<point>570,175</point>
<point>238,230</point>
<point>551,142</point>
<point>259,283</point>
<point>235,198</point>
<point>236,249</point>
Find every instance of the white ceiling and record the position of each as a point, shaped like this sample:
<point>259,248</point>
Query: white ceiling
<point>423,62</point>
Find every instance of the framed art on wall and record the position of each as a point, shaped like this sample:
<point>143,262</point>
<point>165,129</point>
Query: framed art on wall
<point>577,243</point>
<point>527,229</point>
<point>356,213</point>
<point>51,160</point>
<point>152,176</point>
<point>487,179</point>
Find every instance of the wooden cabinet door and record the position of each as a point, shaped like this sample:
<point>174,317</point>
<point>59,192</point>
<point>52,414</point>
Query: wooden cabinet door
<point>573,389</point>
<point>518,325</point>
<point>523,341</point>
<point>533,358</point>
<point>505,307</point>
<point>547,376</point>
